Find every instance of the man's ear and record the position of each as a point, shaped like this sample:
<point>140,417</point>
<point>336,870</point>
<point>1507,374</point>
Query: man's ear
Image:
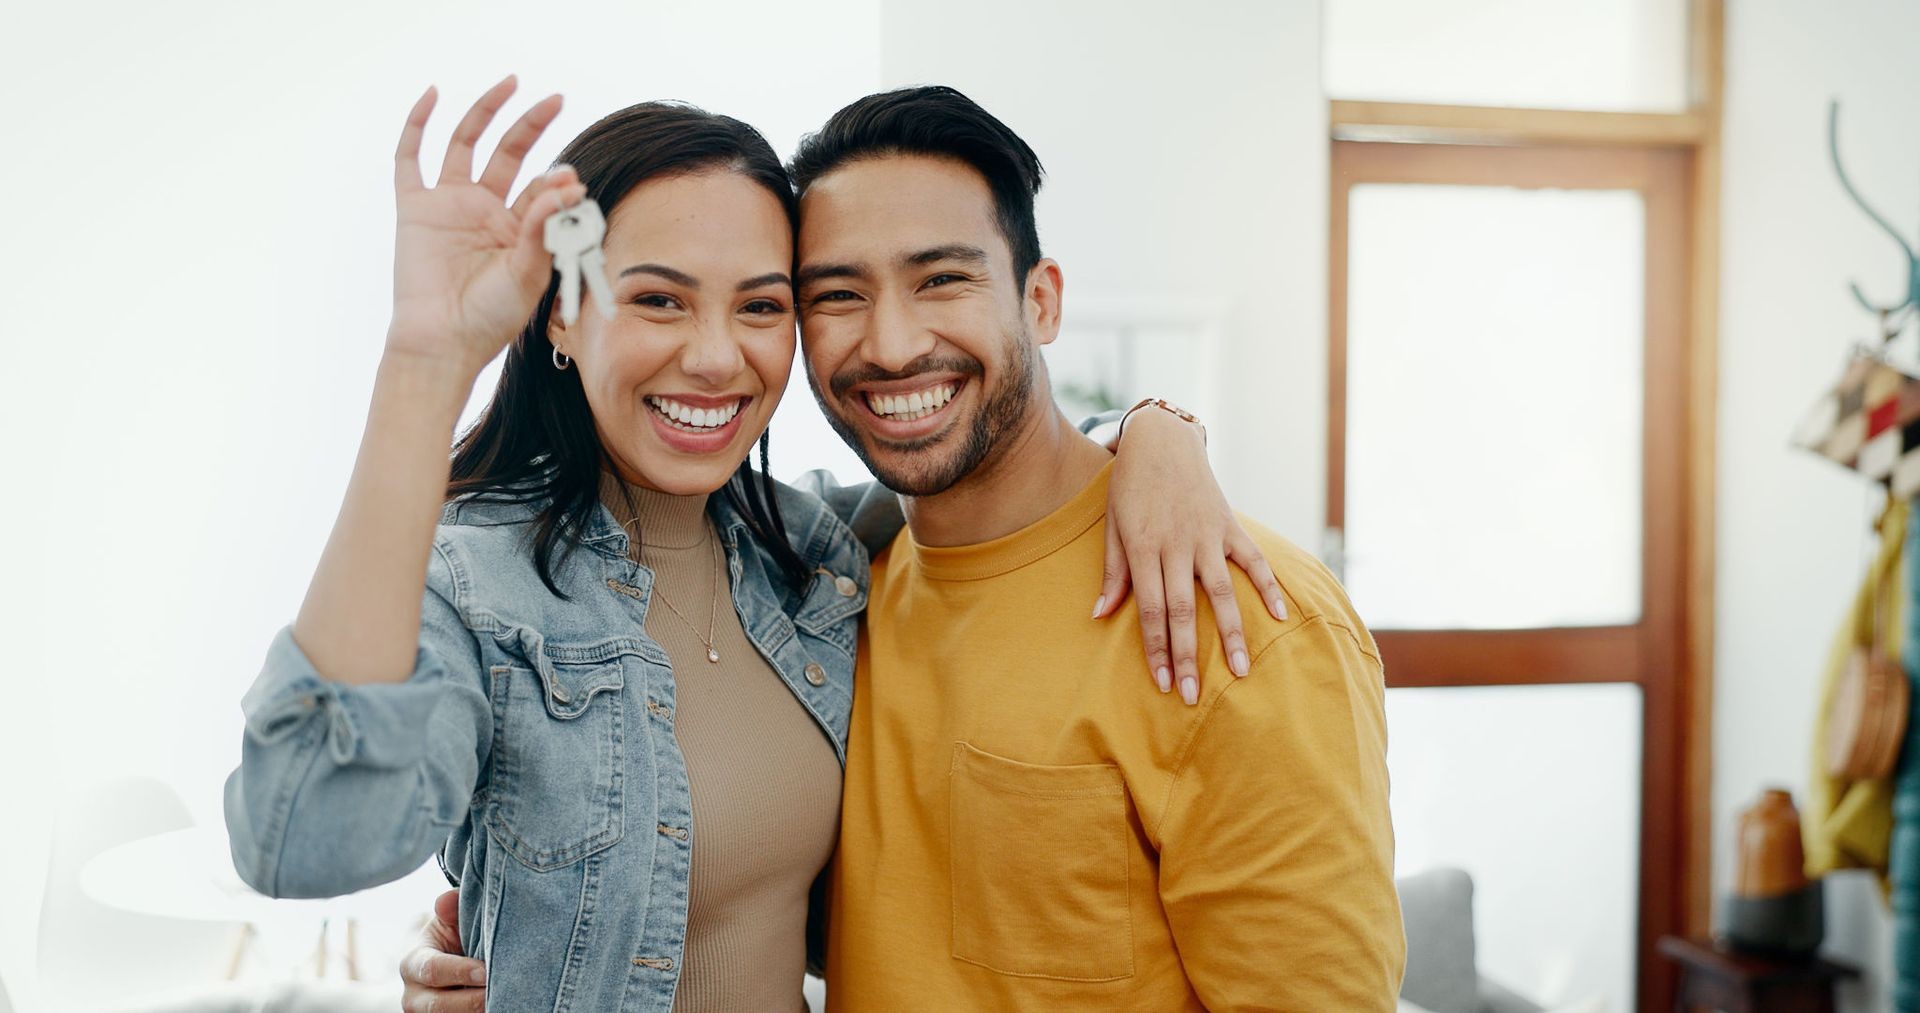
<point>1044,285</point>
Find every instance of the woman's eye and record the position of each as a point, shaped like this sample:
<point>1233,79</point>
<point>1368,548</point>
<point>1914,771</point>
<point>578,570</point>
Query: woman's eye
<point>763,306</point>
<point>657,301</point>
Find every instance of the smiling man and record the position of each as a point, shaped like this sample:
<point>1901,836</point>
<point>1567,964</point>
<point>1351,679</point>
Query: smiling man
<point>1017,833</point>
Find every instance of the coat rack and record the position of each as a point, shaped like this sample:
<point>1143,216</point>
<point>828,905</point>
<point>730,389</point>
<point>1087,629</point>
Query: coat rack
<point>1870,420</point>
<point>1893,316</point>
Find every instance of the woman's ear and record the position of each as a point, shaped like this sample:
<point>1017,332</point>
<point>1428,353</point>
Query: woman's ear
<point>557,329</point>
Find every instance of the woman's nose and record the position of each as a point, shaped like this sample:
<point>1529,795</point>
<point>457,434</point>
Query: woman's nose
<point>713,355</point>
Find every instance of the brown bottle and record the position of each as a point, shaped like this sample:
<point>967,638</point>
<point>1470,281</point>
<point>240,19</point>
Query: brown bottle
<point>1770,861</point>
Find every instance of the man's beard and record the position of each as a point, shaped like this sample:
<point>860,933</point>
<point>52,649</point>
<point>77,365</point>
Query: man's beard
<point>1005,407</point>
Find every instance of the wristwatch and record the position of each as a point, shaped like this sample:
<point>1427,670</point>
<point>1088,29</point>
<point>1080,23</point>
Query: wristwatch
<point>1165,405</point>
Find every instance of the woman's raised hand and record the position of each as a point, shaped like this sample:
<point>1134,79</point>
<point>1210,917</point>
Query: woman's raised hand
<point>468,268</point>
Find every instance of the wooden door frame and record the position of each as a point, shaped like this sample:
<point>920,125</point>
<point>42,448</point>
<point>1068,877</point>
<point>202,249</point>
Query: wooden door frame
<point>1654,653</point>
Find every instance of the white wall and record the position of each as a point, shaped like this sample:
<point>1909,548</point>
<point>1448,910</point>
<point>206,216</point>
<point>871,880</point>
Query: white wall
<point>1186,162</point>
<point>197,257</point>
<point>1792,528</point>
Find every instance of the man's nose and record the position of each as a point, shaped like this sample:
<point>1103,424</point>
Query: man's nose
<point>894,336</point>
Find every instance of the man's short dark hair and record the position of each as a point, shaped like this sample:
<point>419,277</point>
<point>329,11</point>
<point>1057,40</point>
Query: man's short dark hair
<point>938,121</point>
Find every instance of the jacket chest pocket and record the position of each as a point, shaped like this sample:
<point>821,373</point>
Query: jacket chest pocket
<point>555,782</point>
<point>1039,866</point>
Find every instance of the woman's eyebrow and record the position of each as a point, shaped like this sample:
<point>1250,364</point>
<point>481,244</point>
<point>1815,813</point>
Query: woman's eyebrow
<point>661,270</point>
<point>762,281</point>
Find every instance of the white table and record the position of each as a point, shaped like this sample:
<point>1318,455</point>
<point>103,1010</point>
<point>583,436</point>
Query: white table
<point>188,874</point>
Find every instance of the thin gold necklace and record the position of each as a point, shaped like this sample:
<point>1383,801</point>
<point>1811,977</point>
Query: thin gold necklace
<point>712,655</point>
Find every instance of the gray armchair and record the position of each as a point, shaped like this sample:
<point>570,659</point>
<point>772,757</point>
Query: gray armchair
<point>1437,909</point>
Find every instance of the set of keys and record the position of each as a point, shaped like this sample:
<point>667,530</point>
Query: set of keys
<point>573,236</point>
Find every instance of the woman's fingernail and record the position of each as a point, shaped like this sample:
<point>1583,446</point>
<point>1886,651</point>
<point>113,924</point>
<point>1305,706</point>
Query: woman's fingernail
<point>1279,607</point>
<point>1240,663</point>
<point>478,975</point>
<point>1099,606</point>
<point>1190,690</point>
<point>1165,680</point>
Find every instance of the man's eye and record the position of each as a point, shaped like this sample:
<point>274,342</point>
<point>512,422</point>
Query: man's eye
<point>941,279</point>
<point>837,295</point>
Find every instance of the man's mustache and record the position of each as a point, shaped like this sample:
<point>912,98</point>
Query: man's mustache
<point>844,382</point>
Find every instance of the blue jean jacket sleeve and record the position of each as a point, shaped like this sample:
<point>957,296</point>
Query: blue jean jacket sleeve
<point>870,509</point>
<point>342,787</point>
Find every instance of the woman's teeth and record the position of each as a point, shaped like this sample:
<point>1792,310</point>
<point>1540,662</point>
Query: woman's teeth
<point>917,405</point>
<point>692,419</point>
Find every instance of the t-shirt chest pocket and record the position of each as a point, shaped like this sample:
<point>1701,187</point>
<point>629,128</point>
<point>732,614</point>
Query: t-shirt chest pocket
<point>554,792</point>
<point>1039,864</point>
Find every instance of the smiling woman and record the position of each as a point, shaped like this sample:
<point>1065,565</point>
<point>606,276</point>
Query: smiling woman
<point>700,238</point>
<point>686,375</point>
<point>560,743</point>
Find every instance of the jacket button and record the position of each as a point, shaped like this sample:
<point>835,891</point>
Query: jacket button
<point>816,675</point>
<point>845,586</point>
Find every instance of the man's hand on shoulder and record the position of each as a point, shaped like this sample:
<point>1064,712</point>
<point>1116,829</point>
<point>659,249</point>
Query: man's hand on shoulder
<point>440,978</point>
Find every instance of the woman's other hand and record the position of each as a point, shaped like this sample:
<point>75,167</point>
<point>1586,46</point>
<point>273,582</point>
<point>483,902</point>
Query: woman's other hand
<point>1169,528</point>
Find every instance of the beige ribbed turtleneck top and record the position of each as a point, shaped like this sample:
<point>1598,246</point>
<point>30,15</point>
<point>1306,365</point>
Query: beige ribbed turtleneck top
<point>765,784</point>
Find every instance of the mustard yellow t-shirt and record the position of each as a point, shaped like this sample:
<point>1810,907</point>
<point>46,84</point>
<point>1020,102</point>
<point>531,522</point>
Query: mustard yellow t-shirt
<point>1028,824</point>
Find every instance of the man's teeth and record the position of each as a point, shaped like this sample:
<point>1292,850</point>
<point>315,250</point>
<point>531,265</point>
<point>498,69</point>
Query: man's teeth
<point>688,417</point>
<point>917,405</point>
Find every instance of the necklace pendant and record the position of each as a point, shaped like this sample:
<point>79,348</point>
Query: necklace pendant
<point>713,655</point>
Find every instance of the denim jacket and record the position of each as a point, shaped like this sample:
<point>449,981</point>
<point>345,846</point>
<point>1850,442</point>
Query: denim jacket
<point>532,746</point>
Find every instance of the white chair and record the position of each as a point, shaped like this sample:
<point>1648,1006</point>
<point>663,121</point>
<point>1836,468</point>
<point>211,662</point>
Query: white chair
<point>92,956</point>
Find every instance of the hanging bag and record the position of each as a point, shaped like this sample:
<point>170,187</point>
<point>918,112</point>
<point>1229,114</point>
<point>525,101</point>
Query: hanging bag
<point>1869,716</point>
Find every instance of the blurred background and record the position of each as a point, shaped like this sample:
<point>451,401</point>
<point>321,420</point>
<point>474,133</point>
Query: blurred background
<point>1505,308</point>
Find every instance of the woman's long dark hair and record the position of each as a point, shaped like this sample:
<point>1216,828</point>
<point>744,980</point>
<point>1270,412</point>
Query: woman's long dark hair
<point>535,440</point>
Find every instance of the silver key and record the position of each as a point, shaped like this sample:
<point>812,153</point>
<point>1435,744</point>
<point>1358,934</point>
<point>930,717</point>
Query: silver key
<point>593,264</point>
<point>573,236</point>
